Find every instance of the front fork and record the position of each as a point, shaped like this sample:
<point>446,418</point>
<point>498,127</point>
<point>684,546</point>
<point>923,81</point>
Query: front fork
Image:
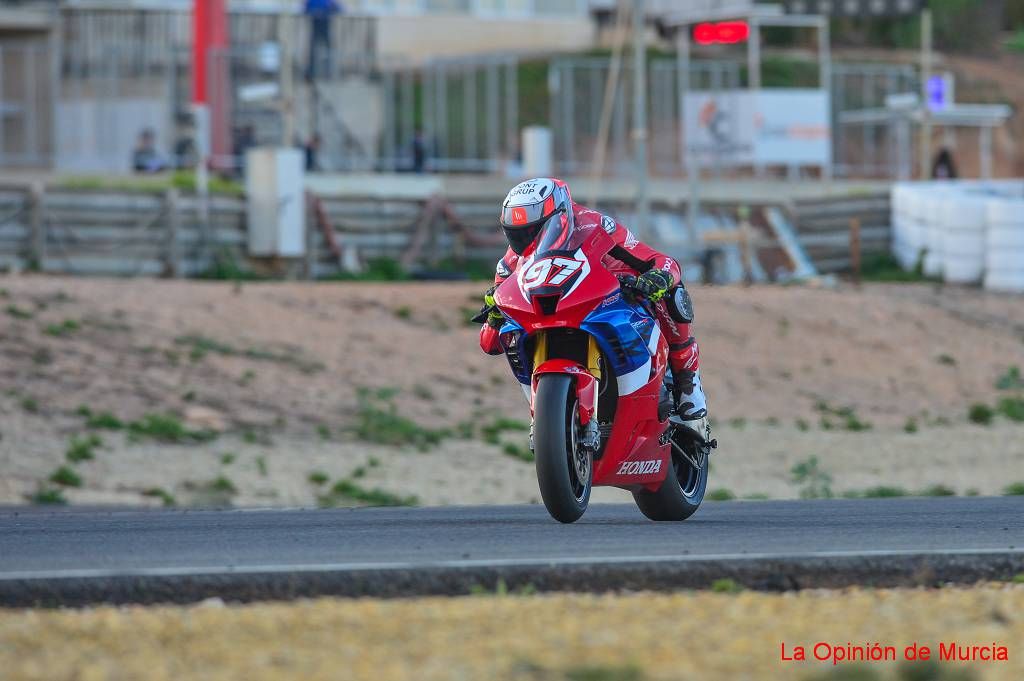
<point>586,379</point>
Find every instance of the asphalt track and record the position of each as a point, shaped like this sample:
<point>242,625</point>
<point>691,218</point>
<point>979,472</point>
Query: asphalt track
<point>75,556</point>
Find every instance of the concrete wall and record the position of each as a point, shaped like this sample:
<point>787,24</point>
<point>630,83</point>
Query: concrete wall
<point>422,37</point>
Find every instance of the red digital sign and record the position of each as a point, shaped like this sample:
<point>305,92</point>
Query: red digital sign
<point>721,33</point>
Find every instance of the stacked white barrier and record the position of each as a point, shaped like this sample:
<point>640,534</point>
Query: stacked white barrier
<point>1004,259</point>
<point>967,230</point>
<point>934,227</point>
<point>963,219</point>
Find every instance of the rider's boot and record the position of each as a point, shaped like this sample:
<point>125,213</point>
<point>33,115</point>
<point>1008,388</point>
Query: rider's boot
<point>691,406</point>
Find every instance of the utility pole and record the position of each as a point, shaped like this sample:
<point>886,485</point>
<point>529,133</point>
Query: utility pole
<point>640,115</point>
<point>926,74</point>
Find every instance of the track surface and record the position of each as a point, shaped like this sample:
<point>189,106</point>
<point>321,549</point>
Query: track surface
<point>441,548</point>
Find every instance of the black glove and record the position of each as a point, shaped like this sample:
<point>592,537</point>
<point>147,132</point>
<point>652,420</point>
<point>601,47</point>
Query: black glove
<point>652,284</point>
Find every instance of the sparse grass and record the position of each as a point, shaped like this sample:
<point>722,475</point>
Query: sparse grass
<point>248,376</point>
<point>81,449</point>
<point>938,490</point>
<point>373,462</point>
<point>16,312</point>
<point>30,404</point>
<point>802,425</point>
<point>323,431</point>
<point>166,428</point>
<point>42,356</point>
<point>980,414</point>
<point>347,490</point>
<point>1014,489</point>
<point>815,483</point>
<point>223,485</point>
<point>726,586</point>
<point>1010,380</point>
<point>422,392</point>
<point>1012,408</point>
<point>491,432</point>
<point>66,477</point>
<point>756,496</point>
<point>318,478</point>
<point>720,494</point>
<point>1018,578</point>
<point>104,420</point>
<point>261,465</point>
<point>403,312</point>
<point>48,495</point>
<point>910,426</point>
<point>518,452</point>
<point>358,473</point>
<point>199,346</point>
<point>227,458</point>
<point>885,268</point>
<point>160,493</point>
<point>63,329</point>
<point>378,421</point>
<point>884,492</point>
<point>739,423</point>
<point>947,360</point>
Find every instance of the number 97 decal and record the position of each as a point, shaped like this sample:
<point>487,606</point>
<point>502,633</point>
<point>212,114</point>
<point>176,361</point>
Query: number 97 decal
<point>553,271</point>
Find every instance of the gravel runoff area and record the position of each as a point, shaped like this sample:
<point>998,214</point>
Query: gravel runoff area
<point>263,380</point>
<point>627,637</point>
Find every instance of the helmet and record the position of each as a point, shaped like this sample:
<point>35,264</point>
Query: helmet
<point>529,206</point>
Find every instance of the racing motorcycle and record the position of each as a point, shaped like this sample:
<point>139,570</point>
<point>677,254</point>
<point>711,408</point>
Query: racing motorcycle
<point>591,360</point>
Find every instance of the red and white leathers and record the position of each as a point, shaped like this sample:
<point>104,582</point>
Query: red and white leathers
<point>630,257</point>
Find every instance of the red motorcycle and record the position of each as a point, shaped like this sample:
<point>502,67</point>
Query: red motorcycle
<point>593,363</point>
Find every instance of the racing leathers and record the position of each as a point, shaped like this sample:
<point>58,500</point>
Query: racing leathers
<point>629,257</point>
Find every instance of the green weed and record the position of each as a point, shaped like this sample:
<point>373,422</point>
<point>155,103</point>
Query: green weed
<point>66,476</point>
<point>721,494</point>
<point>815,482</point>
<point>518,452</point>
<point>166,428</point>
<point>347,490</point>
<point>1010,380</point>
<point>16,312</point>
<point>104,420</point>
<point>48,495</point>
<point>63,329</point>
<point>318,478</point>
<point>378,421</point>
<point>30,404</point>
<point>1014,489</point>
<point>980,414</point>
<point>163,495</point>
<point>81,449</point>
<point>726,586</point>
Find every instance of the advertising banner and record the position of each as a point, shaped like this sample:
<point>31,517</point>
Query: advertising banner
<point>746,127</point>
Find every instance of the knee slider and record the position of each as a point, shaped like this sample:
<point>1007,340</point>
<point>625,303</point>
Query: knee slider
<point>679,305</point>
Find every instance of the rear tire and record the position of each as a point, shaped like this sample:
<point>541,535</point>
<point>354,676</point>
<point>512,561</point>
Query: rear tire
<point>682,492</point>
<point>559,460</point>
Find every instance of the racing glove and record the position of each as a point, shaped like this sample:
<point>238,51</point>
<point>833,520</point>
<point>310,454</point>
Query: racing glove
<point>489,312</point>
<point>653,284</point>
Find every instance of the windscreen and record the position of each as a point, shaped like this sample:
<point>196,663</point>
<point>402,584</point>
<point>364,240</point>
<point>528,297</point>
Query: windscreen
<point>558,235</point>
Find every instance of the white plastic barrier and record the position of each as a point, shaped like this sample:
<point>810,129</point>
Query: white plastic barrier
<point>934,230</point>
<point>962,222</point>
<point>1004,259</point>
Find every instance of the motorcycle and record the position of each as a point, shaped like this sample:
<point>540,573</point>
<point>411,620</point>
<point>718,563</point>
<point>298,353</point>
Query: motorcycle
<point>593,363</point>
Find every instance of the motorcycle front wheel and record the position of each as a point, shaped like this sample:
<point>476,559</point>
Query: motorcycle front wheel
<point>564,468</point>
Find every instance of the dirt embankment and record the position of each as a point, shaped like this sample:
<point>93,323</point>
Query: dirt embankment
<point>306,385</point>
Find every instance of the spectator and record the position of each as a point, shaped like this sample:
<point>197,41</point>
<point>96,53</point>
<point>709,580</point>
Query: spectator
<point>245,139</point>
<point>145,158</point>
<point>419,151</point>
<point>312,149</point>
<point>944,168</point>
<point>320,13</point>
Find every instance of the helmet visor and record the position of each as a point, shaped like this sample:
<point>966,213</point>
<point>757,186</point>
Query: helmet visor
<point>520,237</point>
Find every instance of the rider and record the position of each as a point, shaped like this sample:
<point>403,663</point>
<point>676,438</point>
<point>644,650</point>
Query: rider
<point>656,277</point>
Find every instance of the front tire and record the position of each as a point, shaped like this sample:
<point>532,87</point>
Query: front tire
<point>564,470</point>
<point>682,492</point>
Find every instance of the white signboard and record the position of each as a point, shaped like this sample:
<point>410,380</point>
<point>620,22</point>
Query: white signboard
<point>746,127</point>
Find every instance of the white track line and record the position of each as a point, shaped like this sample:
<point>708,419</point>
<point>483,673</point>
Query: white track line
<point>481,563</point>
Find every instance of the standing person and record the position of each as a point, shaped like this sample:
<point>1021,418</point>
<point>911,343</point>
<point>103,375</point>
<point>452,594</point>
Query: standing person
<point>419,151</point>
<point>145,157</point>
<point>944,168</point>
<point>320,13</point>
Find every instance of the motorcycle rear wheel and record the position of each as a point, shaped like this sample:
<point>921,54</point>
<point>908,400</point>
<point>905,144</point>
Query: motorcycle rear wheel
<point>682,492</point>
<point>564,469</point>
